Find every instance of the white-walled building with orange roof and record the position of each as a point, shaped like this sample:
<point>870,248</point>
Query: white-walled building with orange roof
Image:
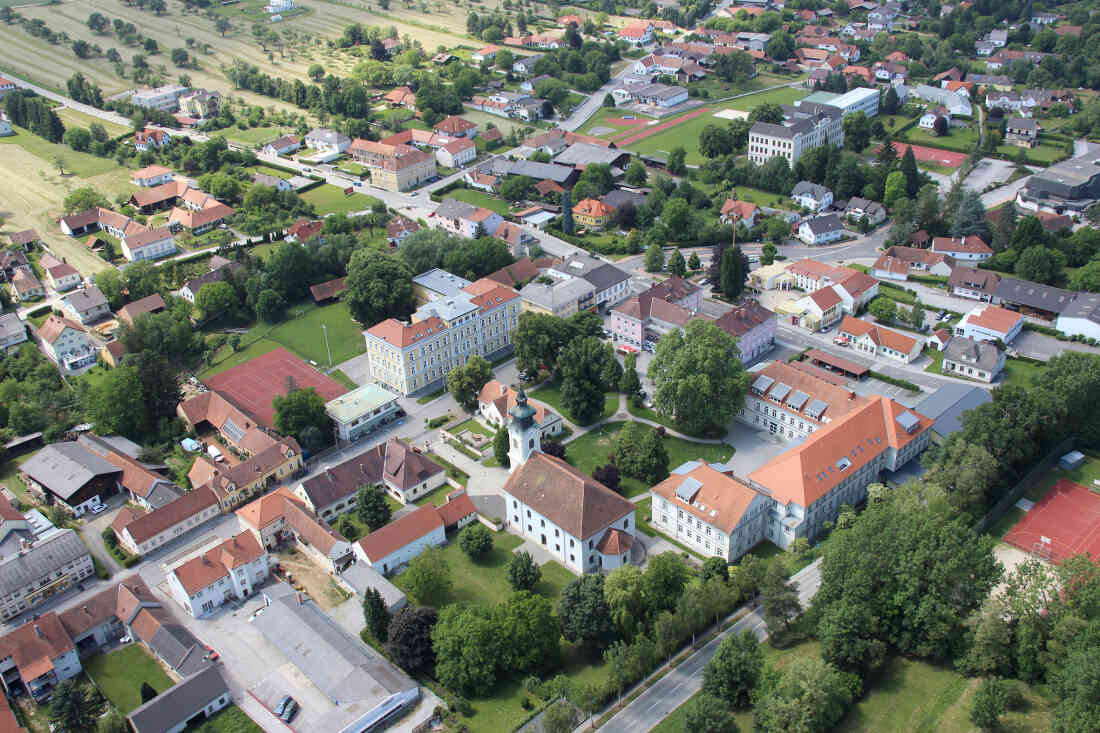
<point>442,334</point>
<point>792,403</point>
<point>875,340</point>
<point>833,467</point>
<point>232,569</point>
<point>496,399</point>
<point>990,322</point>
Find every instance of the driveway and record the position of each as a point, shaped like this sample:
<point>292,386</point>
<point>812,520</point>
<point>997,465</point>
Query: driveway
<point>754,448</point>
<point>1040,346</point>
<point>988,172</point>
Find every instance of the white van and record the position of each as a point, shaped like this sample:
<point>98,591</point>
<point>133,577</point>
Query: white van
<point>215,453</point>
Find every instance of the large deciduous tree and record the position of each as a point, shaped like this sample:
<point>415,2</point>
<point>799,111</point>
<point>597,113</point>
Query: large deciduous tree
<point>585,616</point>
<point>297,412</point>
<point>698,378</point>
<point>378,286</point>
<point>809,696</point>
<point>734,671</point>
<point>640,453</point>
<point>429,577</point>
<point>588,369</point>
<point>538,340</point>
<point>371,507</point>
<point>465,382</point>
<point>523,571</point>
<point>409,642</point>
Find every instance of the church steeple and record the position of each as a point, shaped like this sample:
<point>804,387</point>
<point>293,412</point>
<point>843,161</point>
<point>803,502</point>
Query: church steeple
<point>523,432</point>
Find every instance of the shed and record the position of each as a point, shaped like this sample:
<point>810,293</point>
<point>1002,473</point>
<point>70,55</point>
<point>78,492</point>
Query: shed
<point>1073,459</point>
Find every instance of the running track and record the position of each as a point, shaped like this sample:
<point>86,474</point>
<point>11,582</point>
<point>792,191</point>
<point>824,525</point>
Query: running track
<point>663,126</point>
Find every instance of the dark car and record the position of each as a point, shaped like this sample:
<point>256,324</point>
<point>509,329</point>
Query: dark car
<point>286,709</point>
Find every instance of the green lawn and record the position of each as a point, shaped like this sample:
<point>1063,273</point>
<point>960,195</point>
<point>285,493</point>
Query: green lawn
<point>592,449</point>
<point>342,378</point>
<point>958,139</point>
<point>81,165</point>
<point>9,476</point>
<point>251,136</point>
<point>786,95</point>
<point>328,199</point>
<point>1088,472</point>
<point>1007,521</point>
<point>119,675</point>
<point>479,198</point>
<point>760,197</point>
<point>550,393</point>
<point>271,171</point>
<point>1022,373</point>
<point>647,414</point>
<point>1044,154</point>
<point>474,427</point>
<point>74,118</point>
<point>228,720</point>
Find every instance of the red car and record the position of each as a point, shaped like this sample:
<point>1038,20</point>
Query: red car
<point>213,654</point>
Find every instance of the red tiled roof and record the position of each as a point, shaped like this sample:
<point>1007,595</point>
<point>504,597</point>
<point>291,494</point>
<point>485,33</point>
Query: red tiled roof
<point>326,290</point>
<point>994,318</point>
<point>615,542</point>
<point>971,244</point>
<point>401,532</point>
<point>456,509</point>
<point>825,298</point>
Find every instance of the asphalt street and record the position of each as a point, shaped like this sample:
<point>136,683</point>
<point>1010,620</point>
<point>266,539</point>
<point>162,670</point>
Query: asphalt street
<point>675,688</point>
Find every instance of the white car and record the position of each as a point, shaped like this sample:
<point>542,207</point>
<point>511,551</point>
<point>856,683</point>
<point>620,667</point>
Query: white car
<point>99,508</point>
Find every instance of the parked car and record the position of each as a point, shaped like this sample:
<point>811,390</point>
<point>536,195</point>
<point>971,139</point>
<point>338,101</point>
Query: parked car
<point>840,340</point>
<point>214,656</point>
<point>99,508</point>
<point>945,317</point>
<point>286,709</point>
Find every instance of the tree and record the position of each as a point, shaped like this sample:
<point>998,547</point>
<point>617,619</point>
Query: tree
<point>378,286</point>
<point>767,254</point>
<point>115,404</point>
<point>707,714</point>
<point>767,112</point>
<point>890,102</point>
<point>663,582</point>
<point>538,340</point>
<point>735,68</point>
<point>735,669</point>
<point>299,410</point>
<point>516,188</point>
<point>372,508</point>
<point>625,595</point>
<point>409,638</point>
<point>640,453</point>
<point>676,161</point>
<point>697,376</point>
<point>779,599</point>
<point>78,138</point>
<point>694,264</point>
<point>846,631</point>
<point>883,309</point>
<point>607,475</point>
<point>809,695</point>
<point>316,72</point>
<point>939,126</point>
<point>528,633</point>
<point>585,616</point>
<point>523,572</point>
<point>586,374</point>
<point>222,26</point>
<point>780,46</point>
<point>895,189</point>
<point>147,692</point>
<point>654,258</point>
<point>500,447</point>
<point>908,168</point>
<point>475,541</point>
<point>560,718</point>
<point>916,315</point>
<point>636,173</point>
<point>735,269</point>
<point>465,382</point>
<point>969,216</point>
<point>113,722</point>
<point>857,131</point>
<point>376,615</point>
<point>566,213</point>
<point>75,708</point>
<point>270,306</point>
<point>676,264</point>
<point>82,199</point>
<point>429,576</point>
<point>217,299</point>
<point>714,568</point>
<point>989,704</point>
<point>629,385</point>
<point>1040,264</point>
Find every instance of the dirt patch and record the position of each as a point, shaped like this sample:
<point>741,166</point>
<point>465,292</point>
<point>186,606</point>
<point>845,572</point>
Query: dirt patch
<point>1010,557</point>
<point>313,580</point>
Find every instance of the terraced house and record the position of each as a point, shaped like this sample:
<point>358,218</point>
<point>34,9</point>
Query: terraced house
<point>442,334</point>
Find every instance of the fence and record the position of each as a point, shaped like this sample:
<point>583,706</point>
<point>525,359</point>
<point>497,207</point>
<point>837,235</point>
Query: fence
<point>1016,492</point>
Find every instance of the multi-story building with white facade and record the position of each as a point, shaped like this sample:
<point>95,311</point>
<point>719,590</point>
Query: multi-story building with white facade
<point>140,533</point>
<point>40,565</point>
<point>165,98</point>
<point>752,325</point>
<point>812,196</point>
<point>809,126</point>
<point>965,357</point>
<point>66,343</point>
<point>990,323</point>
<point>466,220</point>
<point>792,403</point>
<point>148,245</point>
<point>860,99</point>
<point>231,570</point>
<point>395,167</point>
<point>584,525</point>
<point>612,284</point>
<point>442,334</point>
<point>361,411</point>
<point>874,340</point>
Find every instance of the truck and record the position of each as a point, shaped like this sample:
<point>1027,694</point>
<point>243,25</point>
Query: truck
<point>214,452</point>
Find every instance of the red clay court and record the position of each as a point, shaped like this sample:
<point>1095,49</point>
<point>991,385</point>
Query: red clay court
<point>1069,515</point>
<point>662,127</point>
<point>253,385</point>
<point>930,155</point>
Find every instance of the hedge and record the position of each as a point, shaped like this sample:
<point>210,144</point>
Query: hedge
<point>437,195</point>
<point>124,558</point>
<point>39,311</point>
<point>1046,330</point>
<point>903,383</point>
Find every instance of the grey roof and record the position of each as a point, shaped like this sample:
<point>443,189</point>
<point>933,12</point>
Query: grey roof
<point>1085,305</point>
<point>981,354</point>
<point>11,326</point>
<point>562,291</point>
<point>780,391</point>
<point>46,557</point>
<point>768,129</point>
<point>177,646</point>
<point>454,209</point>
<point>340,665</point>
<point>908,421</point>
<point>86,299</point>
<point>265,180</point>
<point>688,488</point>
<point>121,444</point>
<point>441,281</point>
<point>330,137</point>
<point>538,171</point>
<point>1034,295</point>
<point>762,383</point>
<point>361,576</point>
<point>807,188</point>
<point>528,62</point>
<point>601,275</point>
<point>1022,123</point>
<point>617,197</point>
<point>816,408</point>
<point>1072,172</point>
<point>582,153</point>
<point>947,404</point>
<point>824,224</point>
<point>179,703</point>
<point>797,400</point>
<point>686,467</point>
<point>64,468</point>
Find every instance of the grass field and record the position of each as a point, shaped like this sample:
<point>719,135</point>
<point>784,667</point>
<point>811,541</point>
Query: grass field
<point>227,720</point>
<point>1022,373</point>
<point>1045,153</point>
<point>9,476</point>
<point>251,136</point>
<point>480,198</point>
<point>301,334</point>
<point>1088,472</point>
<point>958,139</point>
<point>119,674</point>
<point>75,118</point>
<point>77,164</point>
<point>550,393</point>
<point>786,95</point>
<point>592,449</point>
<point>329,199</point>
<point>271,171</point>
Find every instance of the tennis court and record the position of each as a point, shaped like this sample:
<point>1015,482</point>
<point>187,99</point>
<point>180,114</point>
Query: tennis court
<point>253,385</point>
<point>1065,522</point>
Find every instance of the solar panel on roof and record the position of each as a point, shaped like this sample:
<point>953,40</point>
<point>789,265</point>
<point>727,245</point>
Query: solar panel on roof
<point>762,383</point>
<point>798,399</point>
<point>688,489</point>
<point>817,408</point>
<point>780,392</point>
<point>232,431</point>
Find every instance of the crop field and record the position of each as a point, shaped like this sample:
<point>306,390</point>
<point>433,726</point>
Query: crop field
<point>75,118</point>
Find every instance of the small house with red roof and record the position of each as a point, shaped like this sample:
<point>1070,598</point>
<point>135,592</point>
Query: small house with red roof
<point>743,212</point>
<point>496,400</point>
<point>987,322</point>
<point>970,248</point>
<point>304,230</point>
<point>823,307</point>
<point>456,127</point>
<point>151,139</point>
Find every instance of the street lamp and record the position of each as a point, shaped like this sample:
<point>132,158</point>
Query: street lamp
<point>324,330</point>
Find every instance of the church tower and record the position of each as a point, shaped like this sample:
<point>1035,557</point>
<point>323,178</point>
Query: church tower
<point>523,432</point>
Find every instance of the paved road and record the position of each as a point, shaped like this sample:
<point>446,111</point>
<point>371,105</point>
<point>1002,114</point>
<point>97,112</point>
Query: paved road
<point>675,688</point>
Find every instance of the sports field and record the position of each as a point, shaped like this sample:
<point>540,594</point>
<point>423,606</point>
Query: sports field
<point>944,158</point>
<point>329,199</point>
<point>252,385</point>
<point>1065,522</point>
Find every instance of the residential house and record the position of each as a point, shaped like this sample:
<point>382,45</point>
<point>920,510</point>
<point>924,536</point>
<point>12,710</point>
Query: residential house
<point>791,402</point>
<point>890,73</point>
<point>66,343</point>
<point>466,220</point>
<point>202,694</point>
<point>928,119</point>
<point>25,286</point>
<point>284,145</point>
<point>442,334</point>
<point>86,305</point>
<point>6,85</point>
<point>611,284</point>
<point>141,532</point>
<point>969,282</point>
<point>457,153</point>
<point>37,565</point>
<point>12,332</point>
<point>234,483</point>
<point>497,400</point>
<point>739,212</point>
<point>821,229</point>
<point>327,141</point>
<point>561,298</point>
<point>858,208</point>
<point>62,277</point>
<point>966,357</point>
<point>165,98</point>
<point>957,105</point>
<point>153,175</point>
<point>231,570</point>
<point>151,244</point>
<point>151,139</point>
<point>219,269</point>
<point>200,104</point>
<point>398,228</point>
<point>37,656</point>
<point>394,167</point>
<point>456,127</point>
<point>754,327</point>
<point>819,309</point>
<point>580,522</point>
<point>263,179</point>
<point>987,322</point>
<point>525,64</point>
<point>488,53</point>
<point>25,239</point>
<point>12,261</point>
<point>875,340</point>
<point>639,34</point>
<point>644,318</point>
<point>328,290</point>
<point>970,248</point>
<point>401,97</point>
<point>592,214</point>
<point>898,261</point>
<point>1021,132</point>
<point>281,517</point>
<point>304,230</point>
<point>856,291</point>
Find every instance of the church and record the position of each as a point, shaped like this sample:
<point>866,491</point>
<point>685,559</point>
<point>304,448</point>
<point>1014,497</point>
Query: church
<point>584,525</point>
